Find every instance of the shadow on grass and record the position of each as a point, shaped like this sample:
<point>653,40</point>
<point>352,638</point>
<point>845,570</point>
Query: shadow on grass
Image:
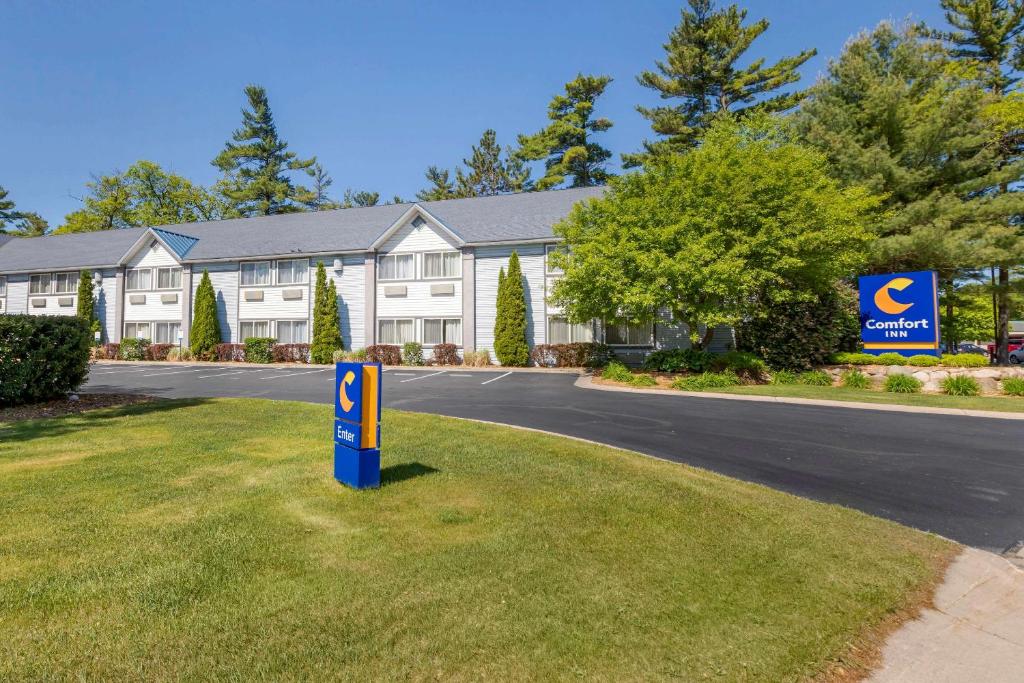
<point>407,470</point>
<point>27,430</point>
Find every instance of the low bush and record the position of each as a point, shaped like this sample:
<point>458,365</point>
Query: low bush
<point>961,385</point>
<point>387,354</point>
<point>855,379</point>
<point>574,355</point>
<point>643,380</point>
<point>845,358</point>
<point>352,356</point>
<point>445,354</point>
<point>1013,386</point>
<point>159,351</point>
<point>134,349</point>
<point>677,360</point>
<point>923,360</point>
<point>412,353</point>
<point>783,377</point>
<point>476,359</point>
<point>814,378</point>
<point>290,353</point>
<point>617,372</point>
<point>743,363</point>
<point>42,357</point>
<point>707,380</point>
<point>228,352</point>
<point>107,352</point>
<point>891,359</point>
<point>182,354</point>
<point>903,384</point>
<point>259,349</point>
<point>966,360</point>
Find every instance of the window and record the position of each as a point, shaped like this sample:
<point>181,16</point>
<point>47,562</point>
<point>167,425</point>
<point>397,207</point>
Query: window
<point>256,274</point>
<point>165,333</point>
<point>168,278</point>
<point>39,284</point>
<point>397,267</point>
<point>138,279</point>
<point>3,286</point>
<point>551,269</point>
<point>253,328</point>
<point>442,331</point>
<point>622,334</point>
<point>442,264</point>
<point>292,332</point>
<point>560,331</point>
<point>396,331</point>
<point>136,331</point>
<point>291,272</point>
<point>65,283</point>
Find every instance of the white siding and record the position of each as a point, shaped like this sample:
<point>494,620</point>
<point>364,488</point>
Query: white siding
<point>151,255</point>
<point>426,237</point>
<point>489,260</point>
<point>17,293</point>
<point>106,305</point>
<point>52,301</point>
<point>351,299</point>
<point>224,277</point>
<point>274,306</point>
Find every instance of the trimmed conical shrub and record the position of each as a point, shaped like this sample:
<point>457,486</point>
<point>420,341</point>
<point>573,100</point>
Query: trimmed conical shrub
<point>87,301</point>
<point>326,322</point>
<point>205,334</point>
<point>510,345</point>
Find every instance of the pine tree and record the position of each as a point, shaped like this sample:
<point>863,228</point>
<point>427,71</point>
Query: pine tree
<point>257,163</point>
<point>31,225</point>
<point>8,215</point>
<point>441,186</point>
<point>87,300</point>
<point>361,198</point>
<point>205,334</point>
<point>566,144</point>
<point>316,198</point>
<point>487,173</point>
<point>701,72</point>
<point>987,34</point>
<point>326,321</point>
<point>510,345</point>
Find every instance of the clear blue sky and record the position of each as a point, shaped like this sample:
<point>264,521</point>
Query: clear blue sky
<point>376,90</point>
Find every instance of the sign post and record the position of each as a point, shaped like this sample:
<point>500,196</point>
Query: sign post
<point>899,313</point>
<point>357,395</point>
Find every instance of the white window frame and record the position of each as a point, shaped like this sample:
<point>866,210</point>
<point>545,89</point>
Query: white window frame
<point>173,338</point>
<point>548,270</point>
<point>3,285</point>
<point>140,271</point>
<point>156,280</point>
<point>458,264</point>
<point>254,264</point>
<point>395,321</point>
<point>277,271</point>
<point>49,283</point>
<point>71,279</point>
<point>380,268</point>
<point>243,337</point>
<point>292,323</point>
<point>444,331</point>
<point>572,327</point>
<point>136,324</point>
<point>648,343</point>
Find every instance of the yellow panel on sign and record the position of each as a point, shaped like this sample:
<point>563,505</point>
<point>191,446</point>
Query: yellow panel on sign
<point>371,406</point>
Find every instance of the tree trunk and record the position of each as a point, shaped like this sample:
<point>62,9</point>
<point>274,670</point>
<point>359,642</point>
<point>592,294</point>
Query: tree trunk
<point>949,340</point>
<point>709,335</point>
<point>1003,319</point>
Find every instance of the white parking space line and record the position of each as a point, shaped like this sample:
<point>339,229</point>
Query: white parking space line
<point>173,372</point>
<point>404,374</point>
<point>223,374</point>
<point>107,371</point>
<point>495,379</point>
<point>432,374</point>
<point>294,374</point>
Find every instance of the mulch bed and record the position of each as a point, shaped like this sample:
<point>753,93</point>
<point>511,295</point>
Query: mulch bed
<point>66,406</point>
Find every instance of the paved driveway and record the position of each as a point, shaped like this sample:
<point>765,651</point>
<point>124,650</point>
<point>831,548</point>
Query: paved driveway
<point>961,477</point>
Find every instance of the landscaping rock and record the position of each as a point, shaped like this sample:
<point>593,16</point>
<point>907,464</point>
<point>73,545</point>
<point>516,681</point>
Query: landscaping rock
<point>991,373</point>
<point>899,370</point>
<point>923,376</point>
<point>988,385</point>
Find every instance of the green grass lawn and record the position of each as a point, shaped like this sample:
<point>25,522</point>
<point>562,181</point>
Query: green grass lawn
<point>1009,404</point>
<point>208,540</point>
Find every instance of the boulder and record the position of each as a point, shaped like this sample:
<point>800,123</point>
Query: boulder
<point>988,373</point>
<point>923,376</point>
<point>988,385</point>
<point>899,370</point>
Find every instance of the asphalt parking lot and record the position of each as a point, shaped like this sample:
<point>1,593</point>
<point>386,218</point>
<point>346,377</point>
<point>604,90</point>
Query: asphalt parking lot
<point>962,477</point>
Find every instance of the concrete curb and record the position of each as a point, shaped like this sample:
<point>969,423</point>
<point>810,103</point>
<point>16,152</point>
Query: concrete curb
<point>587,382</point>
<point>310,366</point>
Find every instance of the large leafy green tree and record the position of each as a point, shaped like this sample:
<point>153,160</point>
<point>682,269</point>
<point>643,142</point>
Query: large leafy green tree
<point>144,195</point>
<point>326,321</point>
<point>510,345</point>
<point>749,218</point>
<point>703,78</point>
<point>566,144</point>
<point>205,333</point>
<point>258,165</point>
<point>987,34</point>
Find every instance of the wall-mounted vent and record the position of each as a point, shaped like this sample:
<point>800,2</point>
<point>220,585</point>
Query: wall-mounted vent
<point>66,301</point>
<point>418,222</point>
<point>395,290</point>
<point>291,294</point>
<point>442,290</point>
<point>253,295</point>
<point>136,299</point>
<point>168,298</point>
<point>38,303</point>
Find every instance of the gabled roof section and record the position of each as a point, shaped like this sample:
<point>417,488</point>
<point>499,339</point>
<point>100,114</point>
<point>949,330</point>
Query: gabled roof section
<point>415,211</point>
<point>5,238</point>
<point>178,244</point>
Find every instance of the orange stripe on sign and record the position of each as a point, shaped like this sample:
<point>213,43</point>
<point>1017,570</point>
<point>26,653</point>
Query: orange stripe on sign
<point>370,416</point>
<point>901,345</point>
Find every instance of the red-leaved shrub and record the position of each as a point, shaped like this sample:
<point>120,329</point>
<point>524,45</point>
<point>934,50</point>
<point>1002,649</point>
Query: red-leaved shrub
<point>445,354</point>
<point>229,352</point>
<point>159,351</point>
<point>388,354</point>
<point>291,353</point>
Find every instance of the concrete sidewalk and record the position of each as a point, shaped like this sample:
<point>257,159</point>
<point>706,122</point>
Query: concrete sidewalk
<point>975,632</point>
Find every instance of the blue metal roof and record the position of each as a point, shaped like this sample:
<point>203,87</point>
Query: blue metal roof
<point>179,244</point>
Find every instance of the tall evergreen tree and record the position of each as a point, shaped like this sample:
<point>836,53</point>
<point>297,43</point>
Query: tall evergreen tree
<point>701,73</point>
<point>257,163</point>
<point>360,198</point>
<point>86,309</point>
<point>987,34</point>
<point>31,225</point>
<point>205,333</point>
<point>566,144</point>
<point>510,345</point>
<point>490,172</point>
<point>8,215</point>
<point>326,321</point>
<point>441,186</point>
<point>317,198</point>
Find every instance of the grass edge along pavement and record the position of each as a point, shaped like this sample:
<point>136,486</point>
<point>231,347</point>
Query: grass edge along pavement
<point>204,538</point>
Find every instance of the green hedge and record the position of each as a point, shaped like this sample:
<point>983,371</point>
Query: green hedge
<point>259,349</point>
<point>42,357</point>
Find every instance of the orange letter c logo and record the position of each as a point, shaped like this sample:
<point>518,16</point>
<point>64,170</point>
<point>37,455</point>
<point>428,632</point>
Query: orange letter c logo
<point>884,300</point>
<point>346,403</point>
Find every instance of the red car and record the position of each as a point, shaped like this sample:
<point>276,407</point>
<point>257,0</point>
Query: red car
<point>1015,347</point>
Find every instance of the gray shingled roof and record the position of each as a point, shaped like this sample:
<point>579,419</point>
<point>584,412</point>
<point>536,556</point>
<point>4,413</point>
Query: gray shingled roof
<point>524,216</point>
